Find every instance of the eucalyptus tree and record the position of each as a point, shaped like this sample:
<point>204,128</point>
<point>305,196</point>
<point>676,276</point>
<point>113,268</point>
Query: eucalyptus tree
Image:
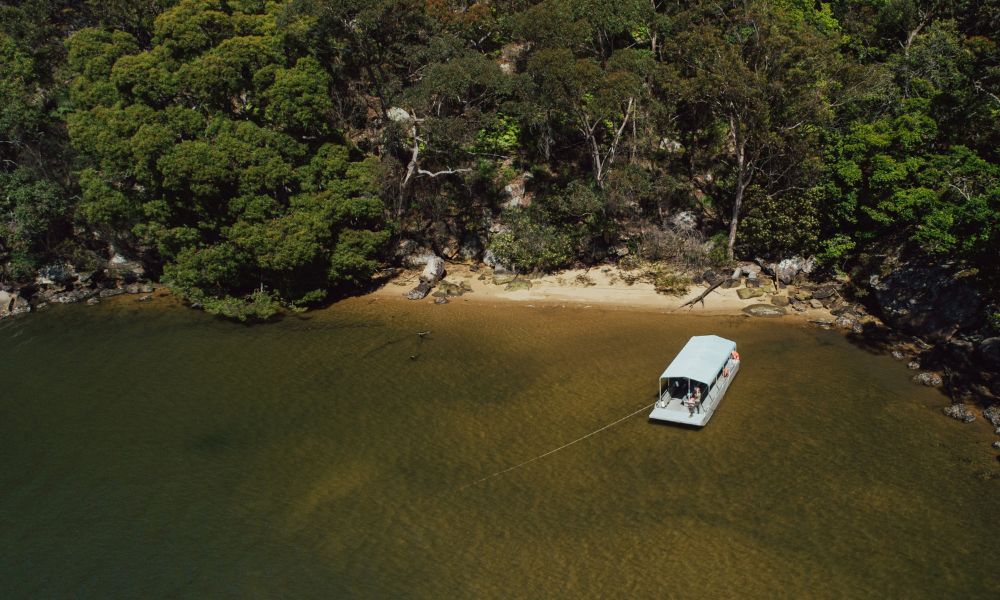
<point>761,72</point>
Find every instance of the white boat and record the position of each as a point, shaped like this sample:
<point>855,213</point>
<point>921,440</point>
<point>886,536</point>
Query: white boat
<point>707,362</point>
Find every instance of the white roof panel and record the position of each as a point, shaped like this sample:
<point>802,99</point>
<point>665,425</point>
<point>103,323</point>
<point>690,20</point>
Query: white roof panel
<point>701,358</point>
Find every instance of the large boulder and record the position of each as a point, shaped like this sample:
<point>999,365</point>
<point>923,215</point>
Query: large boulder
<point>124,268</point>
<point>433,270</point>
<point>20,306</point>
<point>413,255</point>
<point>764,310</point>
<point>398,115</point>
<point>684,220</point>
<point>787,269</point>
<point>926,301</point>
<point>516,191</point>
<point>988,352</point>
<point>6,298</point>
<point>779,300</point>
<point>711,277</point>
<point>420,292</point>
<point>491,261</point>
<point>747,293</point>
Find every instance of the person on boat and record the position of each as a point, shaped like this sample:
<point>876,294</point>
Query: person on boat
<point>693,402</point>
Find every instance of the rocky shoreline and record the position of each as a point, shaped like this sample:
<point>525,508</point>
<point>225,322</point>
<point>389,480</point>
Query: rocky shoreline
<point>921,315</point>
<point>60,283</point>
<point>927,316</point>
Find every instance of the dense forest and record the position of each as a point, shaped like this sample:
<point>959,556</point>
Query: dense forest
<point>259,154</point>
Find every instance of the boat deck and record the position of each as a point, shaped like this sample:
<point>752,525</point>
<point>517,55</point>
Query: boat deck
<point>676,412</point>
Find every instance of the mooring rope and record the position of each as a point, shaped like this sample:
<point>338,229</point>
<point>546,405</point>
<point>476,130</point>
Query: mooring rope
<point>553,451</point>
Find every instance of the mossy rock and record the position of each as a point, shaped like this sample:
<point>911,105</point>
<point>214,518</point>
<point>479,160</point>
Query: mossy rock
<point>747,293</point>
<point>448,288</point>
<point>764,310</point>
<point>779,300</point>
<point>518,284</point>
<point>503,279</point>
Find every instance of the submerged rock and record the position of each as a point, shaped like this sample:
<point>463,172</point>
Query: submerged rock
<point>449,289</point>
<point>420,292</point>
<point>992,414</point>
<point>929,379</point>
<point>764,310</point>
<point>960,412</point>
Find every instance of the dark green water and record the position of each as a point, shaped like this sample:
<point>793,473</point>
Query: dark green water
<point>156,452</point>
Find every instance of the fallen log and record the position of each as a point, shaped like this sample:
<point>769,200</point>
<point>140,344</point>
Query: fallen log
<point>701,298</point>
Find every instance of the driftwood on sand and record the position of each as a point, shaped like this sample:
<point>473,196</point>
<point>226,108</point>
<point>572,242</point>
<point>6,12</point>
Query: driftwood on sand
<point>701,298</point>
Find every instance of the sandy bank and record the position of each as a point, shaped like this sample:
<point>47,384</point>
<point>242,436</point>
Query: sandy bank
<point>603,286</point>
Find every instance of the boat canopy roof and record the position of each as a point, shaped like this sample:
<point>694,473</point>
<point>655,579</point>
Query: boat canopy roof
<point>700,359</point>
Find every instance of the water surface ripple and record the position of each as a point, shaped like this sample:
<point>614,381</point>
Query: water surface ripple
<point>162,453</point>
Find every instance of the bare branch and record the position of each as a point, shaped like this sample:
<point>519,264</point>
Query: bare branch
<point>449,171</point>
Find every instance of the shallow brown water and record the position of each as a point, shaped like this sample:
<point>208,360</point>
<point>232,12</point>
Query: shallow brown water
<point>162,453</point>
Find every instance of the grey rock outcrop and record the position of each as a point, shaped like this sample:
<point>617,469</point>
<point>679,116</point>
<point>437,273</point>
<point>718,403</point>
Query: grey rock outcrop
<point>788,269</point>
<point>926,301</point>
<point>433,270</point>
<point>59,274</point>
<point>126,269</point>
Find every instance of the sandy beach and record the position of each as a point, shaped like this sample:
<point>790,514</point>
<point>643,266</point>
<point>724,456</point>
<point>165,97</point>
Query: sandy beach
<point>604,286</point>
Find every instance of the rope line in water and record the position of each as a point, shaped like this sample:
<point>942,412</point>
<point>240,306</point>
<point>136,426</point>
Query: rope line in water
<point>553,451</point>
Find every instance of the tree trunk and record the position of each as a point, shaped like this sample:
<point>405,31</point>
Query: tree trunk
<point>736,216</point>
<point>743,176</point>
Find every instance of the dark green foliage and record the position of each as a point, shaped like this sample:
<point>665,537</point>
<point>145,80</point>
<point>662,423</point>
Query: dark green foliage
<point>215,146</point>
<point>249,148</point>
